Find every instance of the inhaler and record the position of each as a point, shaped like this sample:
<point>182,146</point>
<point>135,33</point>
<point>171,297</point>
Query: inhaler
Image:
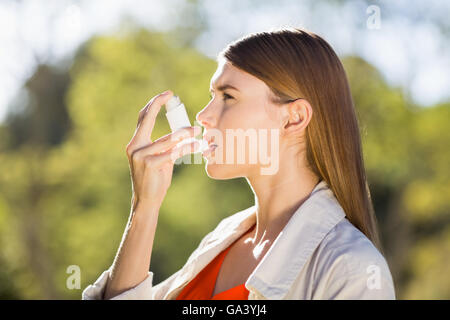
<point>177,116</point>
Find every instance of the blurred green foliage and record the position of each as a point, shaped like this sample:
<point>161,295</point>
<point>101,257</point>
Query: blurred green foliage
<point>406,153</point>
<point>67,202</point>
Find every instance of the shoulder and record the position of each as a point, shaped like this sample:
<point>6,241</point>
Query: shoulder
<point>223,228</point>
<point>347,243</point>
<point>349,263</point>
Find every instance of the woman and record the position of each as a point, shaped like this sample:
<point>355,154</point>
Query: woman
<point>312,231</point>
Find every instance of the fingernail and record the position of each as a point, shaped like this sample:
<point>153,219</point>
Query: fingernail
<point>165,92</point>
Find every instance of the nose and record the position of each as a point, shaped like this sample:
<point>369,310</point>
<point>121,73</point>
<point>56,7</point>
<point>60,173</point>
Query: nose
<point>206,118</point>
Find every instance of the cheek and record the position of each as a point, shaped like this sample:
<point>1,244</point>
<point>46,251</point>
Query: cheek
<point>233,158</point>
<point>243,136</point>
<point>248,116</point>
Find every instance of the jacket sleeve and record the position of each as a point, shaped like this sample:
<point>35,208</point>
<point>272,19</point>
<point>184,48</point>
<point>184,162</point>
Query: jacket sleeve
<point>143,291</point>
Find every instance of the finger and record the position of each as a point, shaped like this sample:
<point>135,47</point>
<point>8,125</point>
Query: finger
<point>173,154</point>
<point>170,140</point>
<point>166,142</point>
<point>144,110</point>
<point>141,115</point>
<point>145,128</point>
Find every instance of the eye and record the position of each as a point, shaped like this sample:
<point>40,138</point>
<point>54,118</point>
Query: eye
<point>226,97</point>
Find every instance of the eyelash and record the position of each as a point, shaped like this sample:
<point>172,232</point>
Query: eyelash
<point>225,96</point>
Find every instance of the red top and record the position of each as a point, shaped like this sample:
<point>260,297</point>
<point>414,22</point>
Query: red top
<point>202,286</point>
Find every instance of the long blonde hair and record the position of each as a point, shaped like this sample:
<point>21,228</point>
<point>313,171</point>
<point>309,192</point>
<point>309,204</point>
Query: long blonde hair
<point>296,63</point>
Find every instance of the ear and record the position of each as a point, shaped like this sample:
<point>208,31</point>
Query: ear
<point>297,116</point>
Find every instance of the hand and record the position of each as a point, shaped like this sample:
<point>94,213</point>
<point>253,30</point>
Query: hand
<point>151,163</point>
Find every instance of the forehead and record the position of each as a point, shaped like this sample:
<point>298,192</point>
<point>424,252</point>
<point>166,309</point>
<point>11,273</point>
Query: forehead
<point>226,73</point>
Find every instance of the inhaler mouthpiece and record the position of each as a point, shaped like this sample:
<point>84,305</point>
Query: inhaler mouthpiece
<point>177,116</point>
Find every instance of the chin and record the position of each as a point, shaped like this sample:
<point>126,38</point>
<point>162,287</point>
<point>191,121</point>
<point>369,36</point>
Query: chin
<point>216,171</point>
<point>221,171</point>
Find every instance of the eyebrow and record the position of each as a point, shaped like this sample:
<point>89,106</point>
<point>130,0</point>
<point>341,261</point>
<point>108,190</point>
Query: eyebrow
<point>224,87</point>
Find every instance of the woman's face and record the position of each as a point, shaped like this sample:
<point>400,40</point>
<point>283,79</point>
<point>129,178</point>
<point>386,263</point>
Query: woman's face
<point>243,122</point>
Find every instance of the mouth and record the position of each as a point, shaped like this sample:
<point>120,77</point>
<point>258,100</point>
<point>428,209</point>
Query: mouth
<point>210,149</point>
<point>211,145</point>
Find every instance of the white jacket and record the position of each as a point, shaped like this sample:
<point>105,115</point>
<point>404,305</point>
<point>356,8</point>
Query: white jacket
<point>319,254</point>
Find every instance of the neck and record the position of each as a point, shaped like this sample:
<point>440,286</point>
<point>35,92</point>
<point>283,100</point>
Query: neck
<point>278,196</point>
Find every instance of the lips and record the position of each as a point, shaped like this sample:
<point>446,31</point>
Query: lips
<point>211,145</point>
<point>208,139</point>
<point>211,148</point>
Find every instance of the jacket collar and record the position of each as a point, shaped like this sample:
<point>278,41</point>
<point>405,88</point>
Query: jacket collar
<point>274,275</point>
<point>305,230</point>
